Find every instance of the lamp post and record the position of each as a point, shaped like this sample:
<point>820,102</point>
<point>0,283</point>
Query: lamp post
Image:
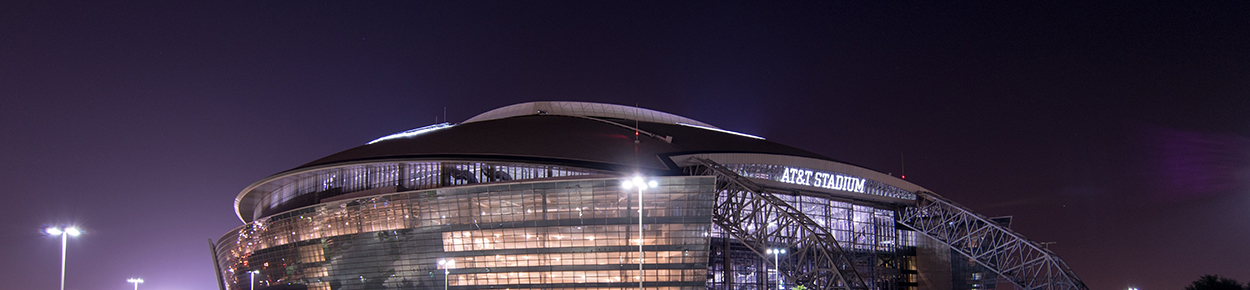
<point>641,185</point>
<point>252,273</point>
<point>447,264</point>
<point>777,262</point>
<point>64,233</point>
<point>136,281</point>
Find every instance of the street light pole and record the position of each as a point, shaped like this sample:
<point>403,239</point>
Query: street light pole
<point>69,231</point>
<point>777,262</point>
<point>252,273</point>
<point>447,264</point>
<point>638,182</point>
<point>136,281</point>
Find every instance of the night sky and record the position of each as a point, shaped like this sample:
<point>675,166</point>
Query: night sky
<point>1120,132</point>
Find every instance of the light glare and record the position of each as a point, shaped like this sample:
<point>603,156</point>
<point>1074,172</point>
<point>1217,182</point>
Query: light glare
<point>53,231</point>
<point>413,132</point>
<point>72,231</point>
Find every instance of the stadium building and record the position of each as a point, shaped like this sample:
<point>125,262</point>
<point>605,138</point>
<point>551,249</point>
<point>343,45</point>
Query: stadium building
<point>573,195</point>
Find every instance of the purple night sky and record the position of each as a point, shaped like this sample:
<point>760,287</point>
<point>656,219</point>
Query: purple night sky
<point>1120,132</point>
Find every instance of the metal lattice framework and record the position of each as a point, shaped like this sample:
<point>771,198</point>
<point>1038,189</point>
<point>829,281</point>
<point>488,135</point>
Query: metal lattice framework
<point>755,216</point>
<point>997,248</point>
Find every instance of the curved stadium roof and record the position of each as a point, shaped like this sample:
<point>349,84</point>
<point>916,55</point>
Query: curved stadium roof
<point>569,133</point>
<point>586,110</point>
<point>576,134</point>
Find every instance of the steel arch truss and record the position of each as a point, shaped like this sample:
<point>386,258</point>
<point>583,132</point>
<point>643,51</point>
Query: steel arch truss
<point>760,220</point>
<point>997,248</point>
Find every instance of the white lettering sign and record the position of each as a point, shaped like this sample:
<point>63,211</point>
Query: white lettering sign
<point>822,179</point>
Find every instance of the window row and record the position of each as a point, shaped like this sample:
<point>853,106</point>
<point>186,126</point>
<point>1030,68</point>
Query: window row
<point>575,236</point>
<point>565,204</point>
<point>408,175</point>
<point>577,259</point>
<point>560,277</point>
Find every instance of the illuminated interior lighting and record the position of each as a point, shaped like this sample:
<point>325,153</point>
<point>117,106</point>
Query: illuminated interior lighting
<point>721,130</point>
<point>413,132</point>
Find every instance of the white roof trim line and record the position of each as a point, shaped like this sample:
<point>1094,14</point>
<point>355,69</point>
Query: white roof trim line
<point>721,130</point>
<point>413,132</point>
<point>584,109</point>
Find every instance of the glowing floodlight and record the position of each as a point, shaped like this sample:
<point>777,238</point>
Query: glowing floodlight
<point>136,281</point>
<point>65,234</point>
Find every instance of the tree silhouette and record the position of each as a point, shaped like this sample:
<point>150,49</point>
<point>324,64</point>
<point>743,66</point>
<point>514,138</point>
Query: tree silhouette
<point>1215,282</point>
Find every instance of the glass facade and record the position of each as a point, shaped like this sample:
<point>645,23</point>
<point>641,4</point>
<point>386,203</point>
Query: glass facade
<point>538,234</point>
<point>553,234</point>
<point>516,226</point>
<point>308,188</point>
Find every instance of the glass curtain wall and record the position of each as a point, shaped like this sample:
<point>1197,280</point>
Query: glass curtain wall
<point>308,188</point>
<point>579,234</point>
